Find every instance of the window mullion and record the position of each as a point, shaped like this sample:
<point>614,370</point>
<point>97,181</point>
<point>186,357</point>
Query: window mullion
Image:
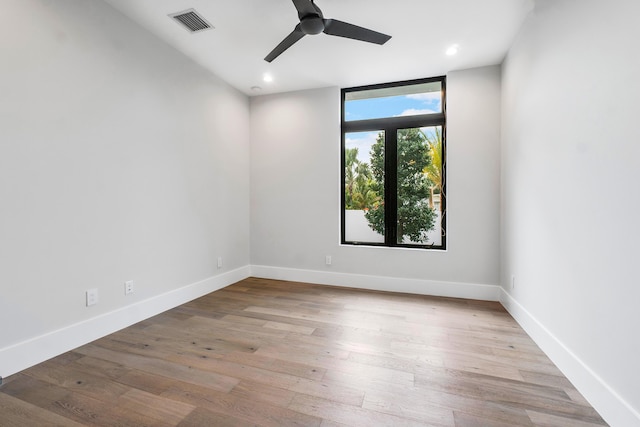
<point>390,186</point>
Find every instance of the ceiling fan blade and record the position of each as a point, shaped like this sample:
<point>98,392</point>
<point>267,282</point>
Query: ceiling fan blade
<point>285,44</point>
<point>305,7</point>
<point>334,27</point>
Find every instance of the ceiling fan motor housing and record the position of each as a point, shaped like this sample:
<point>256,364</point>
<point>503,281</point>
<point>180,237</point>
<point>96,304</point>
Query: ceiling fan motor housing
<point>311,25</point>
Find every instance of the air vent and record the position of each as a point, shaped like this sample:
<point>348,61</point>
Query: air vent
<point>192,20</point>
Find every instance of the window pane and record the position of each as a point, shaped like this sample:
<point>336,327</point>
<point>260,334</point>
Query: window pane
<point>424,98</point>
<point>419,185</point>
<point>364,187</point>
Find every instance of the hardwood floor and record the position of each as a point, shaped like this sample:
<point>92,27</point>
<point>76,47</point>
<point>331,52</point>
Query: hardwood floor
<point>272,353</point>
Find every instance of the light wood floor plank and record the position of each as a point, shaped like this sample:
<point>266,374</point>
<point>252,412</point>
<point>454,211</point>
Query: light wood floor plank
<point>18,413</point>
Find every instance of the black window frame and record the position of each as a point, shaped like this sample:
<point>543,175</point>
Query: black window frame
<point>391,125</point>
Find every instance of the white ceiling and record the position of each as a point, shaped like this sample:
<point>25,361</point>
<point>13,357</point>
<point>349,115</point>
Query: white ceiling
<point>247,30</point>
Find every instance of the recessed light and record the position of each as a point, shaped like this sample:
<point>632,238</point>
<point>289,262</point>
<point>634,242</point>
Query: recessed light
<point>267,78</point>
<point>256,88</point>
<point>453,49</point>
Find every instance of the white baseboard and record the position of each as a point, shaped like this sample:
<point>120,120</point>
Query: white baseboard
<point>609,404</point>
<point>20,356</point>
<point>378,283</point>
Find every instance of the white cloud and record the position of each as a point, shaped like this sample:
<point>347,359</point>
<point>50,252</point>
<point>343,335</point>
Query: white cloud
<point>363,142</point>
<point>415,112</point>
<point>427,97</point>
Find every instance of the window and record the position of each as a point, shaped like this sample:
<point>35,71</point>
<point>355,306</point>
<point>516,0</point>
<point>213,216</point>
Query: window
<point>393,164</point>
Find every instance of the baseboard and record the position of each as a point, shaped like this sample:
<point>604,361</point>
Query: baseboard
<point>609,404</point>
<point>378,283</point>
<point>20,356</point>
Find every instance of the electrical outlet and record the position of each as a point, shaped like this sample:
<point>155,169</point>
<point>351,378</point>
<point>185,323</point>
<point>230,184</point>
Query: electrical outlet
<point>219,262</point>
<point>128,287</point>
<point>92,297</point>
<point>513,282</point>
<point>327,260</point>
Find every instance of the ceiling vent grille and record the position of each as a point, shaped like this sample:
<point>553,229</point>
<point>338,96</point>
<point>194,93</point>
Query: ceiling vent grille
<point>192,20</point>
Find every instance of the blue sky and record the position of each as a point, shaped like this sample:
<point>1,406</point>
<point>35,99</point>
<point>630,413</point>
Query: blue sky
<point>393,106</point>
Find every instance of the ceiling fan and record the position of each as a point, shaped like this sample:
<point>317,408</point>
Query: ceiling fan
<point>313,22</point>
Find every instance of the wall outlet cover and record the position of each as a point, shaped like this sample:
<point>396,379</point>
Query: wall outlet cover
<point>92,297</point>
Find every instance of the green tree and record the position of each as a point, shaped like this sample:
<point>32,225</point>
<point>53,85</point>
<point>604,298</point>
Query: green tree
<point>415,217</point>
<point>375,215</point>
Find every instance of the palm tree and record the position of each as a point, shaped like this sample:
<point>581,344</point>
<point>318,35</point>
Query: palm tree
<point>358,183</point>
<point>350,161</point>
<point>434,169</point>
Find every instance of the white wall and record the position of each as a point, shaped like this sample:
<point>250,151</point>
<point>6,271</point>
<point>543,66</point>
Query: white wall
<point>295,187</point>
<point>571,136</point>
<point>119,159</point>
